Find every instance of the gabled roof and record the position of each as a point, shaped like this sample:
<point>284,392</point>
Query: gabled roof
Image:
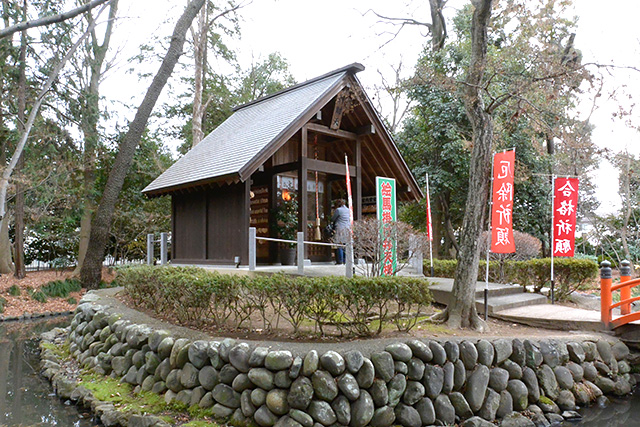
<point>250,132</point>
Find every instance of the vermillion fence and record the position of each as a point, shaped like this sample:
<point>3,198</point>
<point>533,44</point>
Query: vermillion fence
<point>607,288</point>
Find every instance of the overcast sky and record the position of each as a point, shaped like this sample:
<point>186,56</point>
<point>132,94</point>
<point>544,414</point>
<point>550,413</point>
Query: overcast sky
<point>316,37</point>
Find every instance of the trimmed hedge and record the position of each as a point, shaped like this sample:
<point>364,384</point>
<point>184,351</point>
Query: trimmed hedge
<point>571,274</point>
<point>360,306</point>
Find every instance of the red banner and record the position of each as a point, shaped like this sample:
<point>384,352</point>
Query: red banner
<point>429,226</point>
<point>502,203</point>
<point>565,203</point>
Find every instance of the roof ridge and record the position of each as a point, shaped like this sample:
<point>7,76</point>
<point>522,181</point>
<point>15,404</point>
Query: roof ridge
<point>355,67</point>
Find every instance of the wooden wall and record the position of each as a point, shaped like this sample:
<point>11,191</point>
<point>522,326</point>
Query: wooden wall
<point>211,226</point>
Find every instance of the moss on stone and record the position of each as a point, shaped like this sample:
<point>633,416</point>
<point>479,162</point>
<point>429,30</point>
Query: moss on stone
<point>62,351</point>
<point>545,400</point>
<point>121,395</point>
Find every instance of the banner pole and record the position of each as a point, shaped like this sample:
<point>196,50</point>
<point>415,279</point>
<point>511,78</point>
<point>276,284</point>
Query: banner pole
<point>551,242</point>
<point>429,226</point>
<point>486,275</point>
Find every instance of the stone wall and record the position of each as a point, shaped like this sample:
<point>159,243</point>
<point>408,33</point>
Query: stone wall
<point>414,383</point>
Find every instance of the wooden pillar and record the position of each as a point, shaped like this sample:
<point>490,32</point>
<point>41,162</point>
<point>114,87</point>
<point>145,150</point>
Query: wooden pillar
<point>246,223</point>
<point>358,186</point>
<point>302,183</point>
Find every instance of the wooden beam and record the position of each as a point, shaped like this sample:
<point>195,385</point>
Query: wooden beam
<point>369,129</point>
<point>358,186</point>
<point>338,109</point>
<point>302,184</point>
<point>314,127</point>
<point>330,167</point>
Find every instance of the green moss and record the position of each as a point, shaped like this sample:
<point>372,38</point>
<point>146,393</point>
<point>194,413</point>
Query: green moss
<point>61,351</point>
<point>546,400</point>
<point>200,423</point>
<point>121,395</point>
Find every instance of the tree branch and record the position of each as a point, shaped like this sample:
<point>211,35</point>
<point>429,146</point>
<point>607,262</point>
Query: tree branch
<point>6,32</point>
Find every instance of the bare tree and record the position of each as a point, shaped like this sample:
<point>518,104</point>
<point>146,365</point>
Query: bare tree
<point>89,99</point>
<point>200,34</point>
<point>395,90</point>
<point>48,20</point>
<point>91,272</point>
<point>462,312</point>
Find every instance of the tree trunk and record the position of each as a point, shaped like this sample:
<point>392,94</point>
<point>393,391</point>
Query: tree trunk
<point>91,272</point>
<point>625,174</point>
<point>199,48</point>
<point>461,312</point>
<point>6,266</point>
<point>20,272</point>
<point>89,126</point>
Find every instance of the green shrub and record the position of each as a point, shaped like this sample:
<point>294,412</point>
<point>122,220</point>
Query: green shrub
<point>61,288</point>
<point>570,274</point>
<point>14,290</point>
<point>3,302</point>
<point>39,296</point>
<point>355,307</point>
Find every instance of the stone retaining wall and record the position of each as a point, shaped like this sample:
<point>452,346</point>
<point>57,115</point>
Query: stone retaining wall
<point>414,383</point>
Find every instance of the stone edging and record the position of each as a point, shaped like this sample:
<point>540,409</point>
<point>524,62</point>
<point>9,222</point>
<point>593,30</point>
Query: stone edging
<point>416,383</point>
<point>30,316</point>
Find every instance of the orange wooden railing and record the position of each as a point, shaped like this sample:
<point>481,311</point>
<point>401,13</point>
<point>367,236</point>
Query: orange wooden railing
<point>606,295</point>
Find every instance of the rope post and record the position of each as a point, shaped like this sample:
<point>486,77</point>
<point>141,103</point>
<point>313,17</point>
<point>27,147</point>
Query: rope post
<point>164,248</point>
<point>625,293</point>
<point>348,265</point>
<point>150,249</point>
<point>605,293</point>
<point>300,247</point>
<point>252,249</point>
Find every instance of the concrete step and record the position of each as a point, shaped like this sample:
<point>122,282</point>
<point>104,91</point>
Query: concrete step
<point>441,289</point>
<point>505,302</point>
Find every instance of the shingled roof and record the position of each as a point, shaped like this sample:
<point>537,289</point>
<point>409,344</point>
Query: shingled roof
<point>248,132</point>
<point>256,130</point>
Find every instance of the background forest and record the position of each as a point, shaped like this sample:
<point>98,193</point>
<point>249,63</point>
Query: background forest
<point>62,136</point>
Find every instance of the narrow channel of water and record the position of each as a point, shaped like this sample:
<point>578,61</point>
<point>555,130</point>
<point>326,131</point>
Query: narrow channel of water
<point>26,398</point>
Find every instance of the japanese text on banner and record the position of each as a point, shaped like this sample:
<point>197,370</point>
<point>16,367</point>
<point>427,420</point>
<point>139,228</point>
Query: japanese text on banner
<point>386,208</point>
<point>502,203</point>
<point>565,203</point>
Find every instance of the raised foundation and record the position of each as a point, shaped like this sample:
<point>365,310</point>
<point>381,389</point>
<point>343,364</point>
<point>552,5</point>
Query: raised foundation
<point>414,383</point>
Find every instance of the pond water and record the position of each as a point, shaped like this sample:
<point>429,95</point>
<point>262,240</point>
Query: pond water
<point>620,413</point>
<point>26,398</point>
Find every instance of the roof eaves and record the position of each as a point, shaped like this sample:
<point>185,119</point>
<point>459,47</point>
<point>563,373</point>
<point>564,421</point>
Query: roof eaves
<point>351,68</point>
<point>251,166</point>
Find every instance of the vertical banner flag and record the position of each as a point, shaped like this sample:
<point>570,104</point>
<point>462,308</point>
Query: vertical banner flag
<point>386,210</point>
<point>502,203</point>
<point>429,226</point>
<point>349,197</point>
<point>565,202</point>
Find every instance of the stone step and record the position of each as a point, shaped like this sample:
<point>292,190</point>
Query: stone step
<point>441,289</point>
<point>505,302</point>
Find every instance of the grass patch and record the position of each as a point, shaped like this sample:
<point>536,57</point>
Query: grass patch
<point>61,288</point>
<point>14,291</point>
<point>121,395</point>
<point>2,304</point>
<point>200,423</point>
<point>72,301</point>
<point>61,351</point>
<point>38,296</point>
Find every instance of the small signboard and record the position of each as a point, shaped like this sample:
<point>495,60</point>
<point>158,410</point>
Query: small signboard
<point>386,210</point>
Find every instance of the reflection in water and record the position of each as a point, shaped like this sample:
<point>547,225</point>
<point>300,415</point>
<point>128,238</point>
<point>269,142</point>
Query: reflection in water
<point>620,413</point>
<point>26,398</point>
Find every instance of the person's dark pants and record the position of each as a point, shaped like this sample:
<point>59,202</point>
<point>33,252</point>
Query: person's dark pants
<point>340,255</point>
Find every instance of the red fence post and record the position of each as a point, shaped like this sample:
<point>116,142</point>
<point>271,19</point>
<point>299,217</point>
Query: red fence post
<point>605,293</point>
<point>625,293</point>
